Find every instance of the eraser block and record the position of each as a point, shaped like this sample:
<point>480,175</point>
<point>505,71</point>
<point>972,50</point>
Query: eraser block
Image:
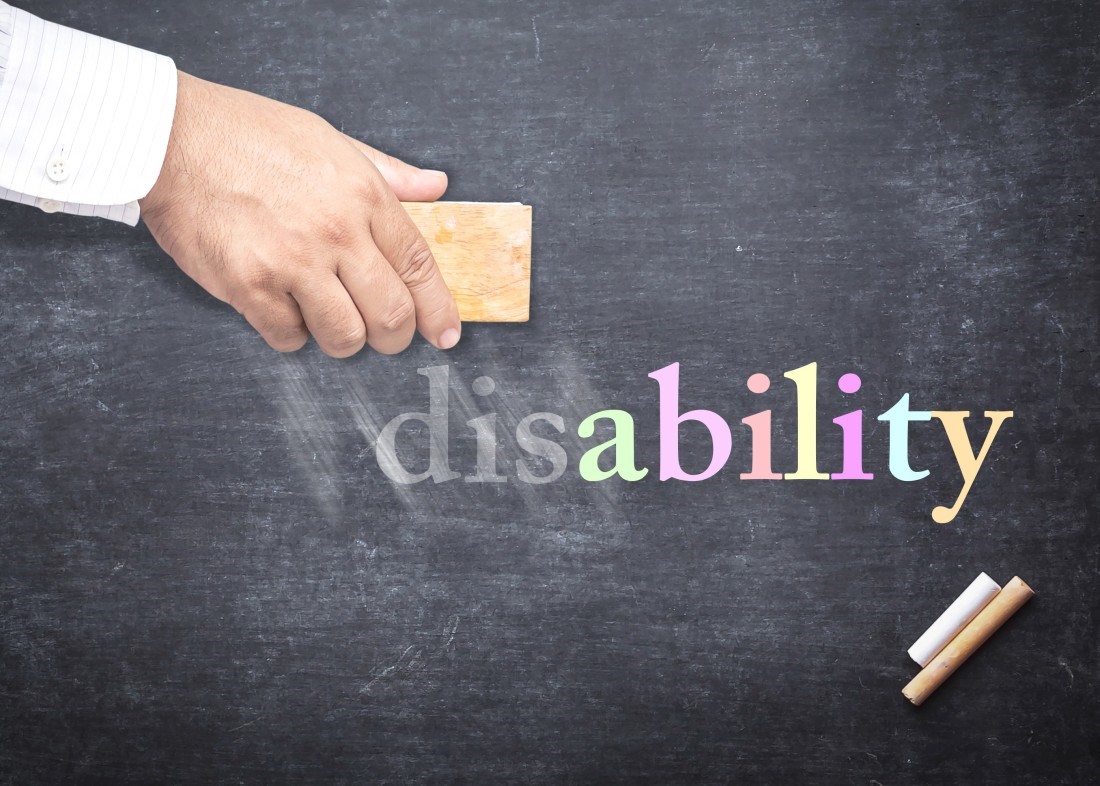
<point>483,250</point>
<point>956,617</point>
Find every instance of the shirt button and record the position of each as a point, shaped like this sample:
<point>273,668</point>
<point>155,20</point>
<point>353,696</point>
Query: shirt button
<point>57,170</point>
<point>50,205</point>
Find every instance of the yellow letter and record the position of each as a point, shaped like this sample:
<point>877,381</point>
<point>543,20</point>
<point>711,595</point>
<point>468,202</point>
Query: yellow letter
<point>805,382</point>
<point>955,426</point>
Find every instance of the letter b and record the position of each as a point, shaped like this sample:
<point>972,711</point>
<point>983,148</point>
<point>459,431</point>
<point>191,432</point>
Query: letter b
<point>668,380</point>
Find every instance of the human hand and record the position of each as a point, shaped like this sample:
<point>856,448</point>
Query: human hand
<point>297,226</point>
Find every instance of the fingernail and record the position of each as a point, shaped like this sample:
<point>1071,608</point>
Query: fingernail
<point>435,172</point>
<point>449,338</point>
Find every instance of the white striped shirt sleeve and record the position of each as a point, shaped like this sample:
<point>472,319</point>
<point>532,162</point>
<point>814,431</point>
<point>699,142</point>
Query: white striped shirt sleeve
<point>84,121</point>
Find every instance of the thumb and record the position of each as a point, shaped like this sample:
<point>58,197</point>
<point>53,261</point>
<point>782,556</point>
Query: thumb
<point>408,182</point>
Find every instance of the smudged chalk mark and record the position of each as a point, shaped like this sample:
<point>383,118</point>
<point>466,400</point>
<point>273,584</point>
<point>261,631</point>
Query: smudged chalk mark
<point>538,44</point>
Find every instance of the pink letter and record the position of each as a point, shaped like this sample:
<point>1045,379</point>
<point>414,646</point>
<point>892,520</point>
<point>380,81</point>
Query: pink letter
<point>760,425</point>
<point>668,380</point>
<point>851,425</point>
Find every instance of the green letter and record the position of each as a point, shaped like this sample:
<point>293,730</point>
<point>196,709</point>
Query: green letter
<point>623,443</point>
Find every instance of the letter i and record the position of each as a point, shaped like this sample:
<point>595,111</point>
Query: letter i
<point>760,425</point>
<point>851,425</point>
<point>486,429</point>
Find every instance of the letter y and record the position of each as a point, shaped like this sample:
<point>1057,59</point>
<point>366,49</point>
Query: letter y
<point>954,423</point>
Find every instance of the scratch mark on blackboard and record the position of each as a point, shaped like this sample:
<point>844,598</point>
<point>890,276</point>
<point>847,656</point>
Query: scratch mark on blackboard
<point>1061,354</point>
<point>406,662</point>
<point>410,661</point>
<point>450,629</point>
<point>1069,671</point>
<point>1086,98</point>
<point>964,204</point>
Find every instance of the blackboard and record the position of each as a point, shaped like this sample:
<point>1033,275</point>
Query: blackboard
<point>207,578</point>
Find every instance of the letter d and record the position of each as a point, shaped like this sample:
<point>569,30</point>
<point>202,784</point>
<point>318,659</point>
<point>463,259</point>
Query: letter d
<point>385,449</point>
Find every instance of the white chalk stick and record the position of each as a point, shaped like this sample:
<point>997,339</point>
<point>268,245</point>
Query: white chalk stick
<point>965,608</point>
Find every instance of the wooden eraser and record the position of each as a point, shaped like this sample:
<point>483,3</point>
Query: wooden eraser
<point>1007,602</point>
<point>483,250</point>
<point>965,608</point>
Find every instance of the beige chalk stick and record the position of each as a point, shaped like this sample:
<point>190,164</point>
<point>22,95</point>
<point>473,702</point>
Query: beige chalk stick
<point>1007,602</point>
<point>483,250</point>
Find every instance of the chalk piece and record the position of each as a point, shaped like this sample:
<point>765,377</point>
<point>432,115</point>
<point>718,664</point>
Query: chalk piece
<point>483,250</point>
<point>965,608</point>
<point>996,613</point>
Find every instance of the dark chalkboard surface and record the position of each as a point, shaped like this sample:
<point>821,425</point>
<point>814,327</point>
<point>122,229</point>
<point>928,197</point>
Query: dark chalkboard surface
<point>204,575</point>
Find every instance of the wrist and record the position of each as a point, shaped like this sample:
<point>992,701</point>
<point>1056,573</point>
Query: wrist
<point>174,169</point>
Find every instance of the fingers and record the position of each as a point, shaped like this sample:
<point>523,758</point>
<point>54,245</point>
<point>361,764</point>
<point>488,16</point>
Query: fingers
<point>278,319</point>
<point>401,243</point>
<point>331,315</point>
<point>409,183</point>
<point>383,300</point>
<point>408,291</point>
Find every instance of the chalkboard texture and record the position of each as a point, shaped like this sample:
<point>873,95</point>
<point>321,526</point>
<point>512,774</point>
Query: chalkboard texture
<point>206,577</point>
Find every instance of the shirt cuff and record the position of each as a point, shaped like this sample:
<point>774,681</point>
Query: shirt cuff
<point>84,121</point>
